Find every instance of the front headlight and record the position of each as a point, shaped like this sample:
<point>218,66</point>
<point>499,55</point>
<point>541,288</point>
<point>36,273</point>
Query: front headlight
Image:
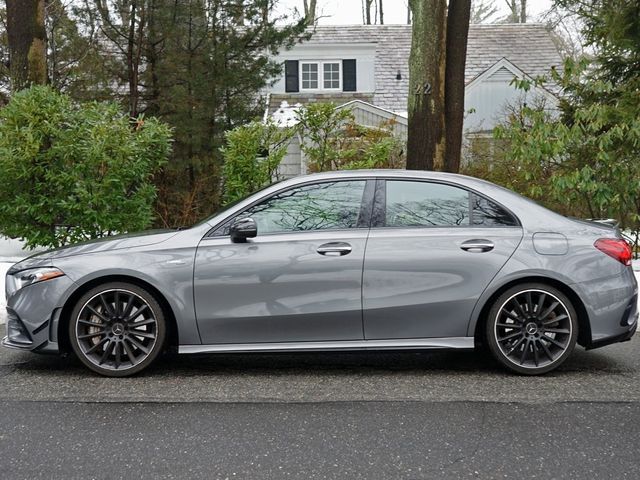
<point>28,277</point>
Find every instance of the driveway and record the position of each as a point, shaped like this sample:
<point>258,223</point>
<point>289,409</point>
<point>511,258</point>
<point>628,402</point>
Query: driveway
<point>363,415</point>
<point>608,374</point>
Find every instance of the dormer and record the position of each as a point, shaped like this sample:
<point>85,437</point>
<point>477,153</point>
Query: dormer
<point>327,69</point>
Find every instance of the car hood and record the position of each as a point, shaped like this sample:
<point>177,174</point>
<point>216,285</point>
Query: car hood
<point>118,242</point>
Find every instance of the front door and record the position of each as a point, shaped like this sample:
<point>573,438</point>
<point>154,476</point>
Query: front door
<point>299,280</point>
<point>433,252</point>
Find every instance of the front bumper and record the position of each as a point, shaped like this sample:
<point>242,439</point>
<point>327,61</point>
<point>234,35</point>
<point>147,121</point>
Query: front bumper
<point>33,315</point>
<point>20,338</point>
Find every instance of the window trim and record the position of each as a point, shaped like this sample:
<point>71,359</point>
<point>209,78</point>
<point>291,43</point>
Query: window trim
<point>380,206</point>
<point>302,87</point>
<point>321,64</point>
<point>364,215</point>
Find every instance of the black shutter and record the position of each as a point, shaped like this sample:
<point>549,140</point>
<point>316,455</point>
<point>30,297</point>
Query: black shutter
<point>291,76</point>
<point>349,81</point>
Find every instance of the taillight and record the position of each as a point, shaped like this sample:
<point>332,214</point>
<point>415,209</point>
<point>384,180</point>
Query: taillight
<point>616,248</point>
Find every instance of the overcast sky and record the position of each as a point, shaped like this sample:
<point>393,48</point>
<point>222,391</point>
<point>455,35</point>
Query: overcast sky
<point>336,12</point>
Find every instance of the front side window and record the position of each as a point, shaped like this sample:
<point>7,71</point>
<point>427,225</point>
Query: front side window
<point>424,204</point>
<point>322,206</point>
<point>309,76</point>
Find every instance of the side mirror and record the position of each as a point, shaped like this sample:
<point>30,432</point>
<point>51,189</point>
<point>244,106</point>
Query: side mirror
<point>243,228</point>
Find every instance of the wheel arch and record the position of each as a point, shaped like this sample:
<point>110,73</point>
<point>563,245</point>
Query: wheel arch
<point>584,327</point>
<point>65,315</point>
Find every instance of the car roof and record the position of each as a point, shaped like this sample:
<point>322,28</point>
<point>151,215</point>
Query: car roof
<point>383,173</point>
<point>455,178</point>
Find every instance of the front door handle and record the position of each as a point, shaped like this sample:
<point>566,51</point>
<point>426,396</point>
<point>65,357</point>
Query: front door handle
<point>477,246</point>
<point>334,249</point>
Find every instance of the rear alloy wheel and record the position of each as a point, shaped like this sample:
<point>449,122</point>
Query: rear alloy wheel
<point>117,329</point>
<point>532,329</point>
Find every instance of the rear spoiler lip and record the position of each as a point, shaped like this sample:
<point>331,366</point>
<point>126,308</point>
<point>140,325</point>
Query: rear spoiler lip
<point>607,225</point>
<point>608,222</point>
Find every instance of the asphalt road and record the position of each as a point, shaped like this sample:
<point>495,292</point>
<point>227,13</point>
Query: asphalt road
<point>366,415</point>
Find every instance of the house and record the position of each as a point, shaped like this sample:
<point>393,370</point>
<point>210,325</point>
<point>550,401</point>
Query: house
<point>366,68</point>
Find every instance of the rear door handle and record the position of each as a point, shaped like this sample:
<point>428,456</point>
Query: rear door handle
<point>334,249</point>
<point>477,245</point>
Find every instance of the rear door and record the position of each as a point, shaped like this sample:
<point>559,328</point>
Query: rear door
<point>431,252</point>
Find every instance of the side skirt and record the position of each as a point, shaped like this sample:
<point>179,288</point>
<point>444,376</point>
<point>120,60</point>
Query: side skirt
<point>417,343</point>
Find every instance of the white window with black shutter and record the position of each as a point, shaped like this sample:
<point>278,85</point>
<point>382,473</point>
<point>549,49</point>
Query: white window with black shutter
<point>316,75</point>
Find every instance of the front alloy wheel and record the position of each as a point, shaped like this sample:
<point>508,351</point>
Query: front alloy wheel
<point>532,329</point>
<point>117,329</point>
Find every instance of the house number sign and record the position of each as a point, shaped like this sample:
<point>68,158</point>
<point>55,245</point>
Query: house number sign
<point>424,89</point>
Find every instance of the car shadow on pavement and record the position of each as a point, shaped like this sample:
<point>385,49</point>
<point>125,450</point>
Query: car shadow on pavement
<point>434,362</point>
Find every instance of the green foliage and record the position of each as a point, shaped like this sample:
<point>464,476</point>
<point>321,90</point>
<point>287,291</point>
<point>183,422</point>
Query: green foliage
<point>252,156</point>
<point>582,159</point>
<point>334,141</point>
<point>75,64</point>
<point>200,66</point>
<point>72,172</point>
<point>206,64</point>
<point>321,125</point>
<point>586,158</point>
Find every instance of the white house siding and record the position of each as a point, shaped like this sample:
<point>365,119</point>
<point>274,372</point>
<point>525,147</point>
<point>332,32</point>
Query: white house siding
<point>291,165</point>
<point>373,120</point>
<point>488,99</point>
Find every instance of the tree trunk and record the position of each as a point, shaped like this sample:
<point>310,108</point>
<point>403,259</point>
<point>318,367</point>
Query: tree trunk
<point>310,11</point>
<point>426,138</point>
<point>513,11</point>
<point>518,11</point>
<point>129,37</point>
<point>367,11</point>
<point>153,46</point>
<point>457,34</point>
<point>27,43</point>
<point>380,7</point>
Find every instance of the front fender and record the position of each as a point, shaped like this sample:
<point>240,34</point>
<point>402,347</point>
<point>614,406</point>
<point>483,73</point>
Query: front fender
<point>169,273</point>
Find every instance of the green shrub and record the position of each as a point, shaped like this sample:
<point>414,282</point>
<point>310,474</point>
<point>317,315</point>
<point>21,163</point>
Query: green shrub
<point>584,160</point>
<point>251,157</point>
<point>72,172</point>
<point>334,141</point>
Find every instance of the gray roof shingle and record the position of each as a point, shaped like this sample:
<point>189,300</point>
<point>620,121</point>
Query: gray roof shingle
<point>529,46</point>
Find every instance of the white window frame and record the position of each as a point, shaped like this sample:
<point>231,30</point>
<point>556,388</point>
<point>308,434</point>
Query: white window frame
<point>302,87</point>
<point>321,65</point>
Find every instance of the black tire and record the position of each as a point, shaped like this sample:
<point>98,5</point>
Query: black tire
<point>531,328</point>
<point>117,329</point>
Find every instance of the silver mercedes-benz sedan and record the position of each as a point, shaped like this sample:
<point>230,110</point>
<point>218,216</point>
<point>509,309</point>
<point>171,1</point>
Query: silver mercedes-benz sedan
<point>337,261</point>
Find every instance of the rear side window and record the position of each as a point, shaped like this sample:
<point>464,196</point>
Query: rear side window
<point>489,214</point>
<point>424,204</point>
